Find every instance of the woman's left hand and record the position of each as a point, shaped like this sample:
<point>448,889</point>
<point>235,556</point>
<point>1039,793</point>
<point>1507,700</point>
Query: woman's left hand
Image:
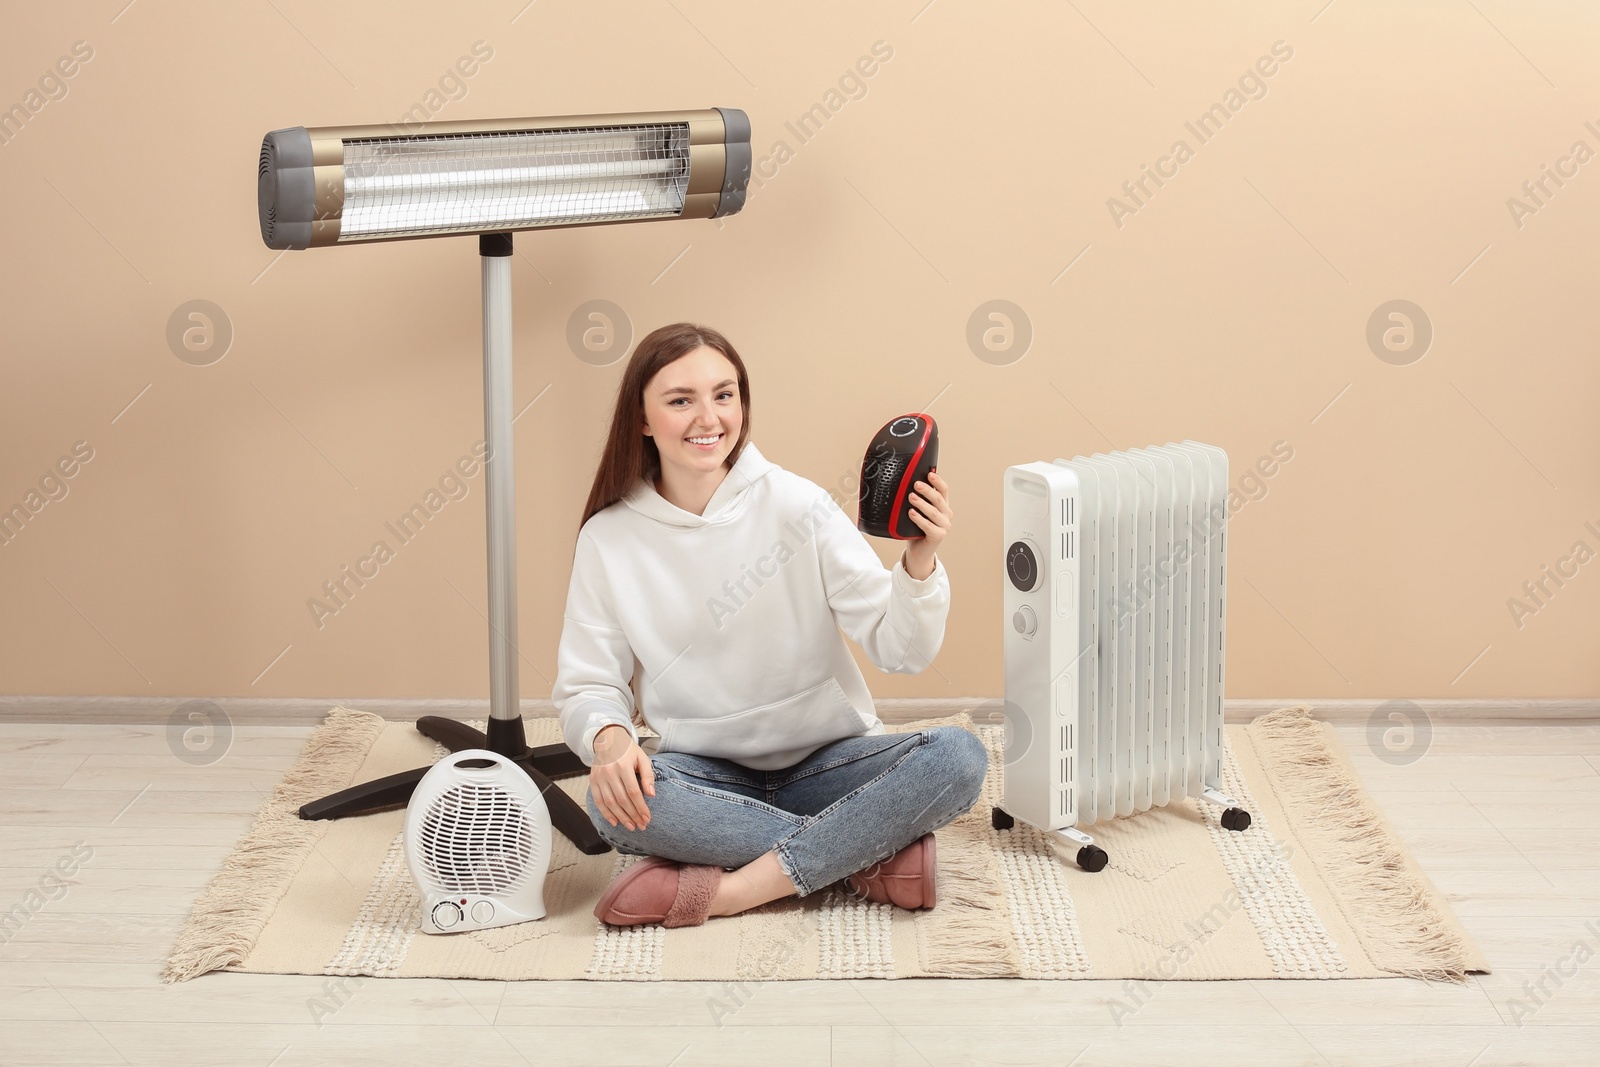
<point>930,509</point>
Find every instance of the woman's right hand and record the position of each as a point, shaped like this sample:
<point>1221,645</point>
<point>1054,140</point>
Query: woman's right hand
<point>620,766</point>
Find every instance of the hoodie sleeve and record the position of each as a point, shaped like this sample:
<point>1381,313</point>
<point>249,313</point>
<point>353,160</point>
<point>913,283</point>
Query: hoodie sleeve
<point>595,660</point>
<point>897,619</point>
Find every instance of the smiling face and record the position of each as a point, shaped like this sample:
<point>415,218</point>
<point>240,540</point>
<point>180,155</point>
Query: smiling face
<point>694,397</point>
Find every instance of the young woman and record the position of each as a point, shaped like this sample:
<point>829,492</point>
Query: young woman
<point>721,580</point>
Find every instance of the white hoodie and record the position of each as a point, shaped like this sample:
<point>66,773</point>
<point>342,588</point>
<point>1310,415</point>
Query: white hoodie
<point>733,618</point>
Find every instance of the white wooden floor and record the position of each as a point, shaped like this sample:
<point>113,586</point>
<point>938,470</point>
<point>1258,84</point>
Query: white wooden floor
<point>1504,818</point>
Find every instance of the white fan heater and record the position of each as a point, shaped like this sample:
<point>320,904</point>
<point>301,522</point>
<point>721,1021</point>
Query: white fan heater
<point>1115,601</point>
<point>477,839</point>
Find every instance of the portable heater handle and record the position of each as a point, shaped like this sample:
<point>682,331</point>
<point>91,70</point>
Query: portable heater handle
<point>470,755</point>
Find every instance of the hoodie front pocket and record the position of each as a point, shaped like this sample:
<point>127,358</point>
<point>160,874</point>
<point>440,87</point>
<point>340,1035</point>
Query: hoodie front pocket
<point>812,716</point>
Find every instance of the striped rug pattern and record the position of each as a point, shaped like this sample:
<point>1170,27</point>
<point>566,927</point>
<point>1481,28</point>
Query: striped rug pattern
<point>1182,897</point>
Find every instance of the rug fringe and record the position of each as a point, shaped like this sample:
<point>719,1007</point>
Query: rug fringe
<point>228,917</point>
<point>968,933</point>
<point>1394,912</point>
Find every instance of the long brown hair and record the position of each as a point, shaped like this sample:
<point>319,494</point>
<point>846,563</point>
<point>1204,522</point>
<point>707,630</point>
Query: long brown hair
<point>629,453</point>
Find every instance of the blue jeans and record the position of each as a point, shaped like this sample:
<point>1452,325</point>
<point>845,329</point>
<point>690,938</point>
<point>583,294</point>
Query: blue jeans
<point>843,808</point>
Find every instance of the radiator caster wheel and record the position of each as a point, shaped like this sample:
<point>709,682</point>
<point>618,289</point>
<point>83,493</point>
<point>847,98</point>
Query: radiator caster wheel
<point>1236,819</point>
<point>1000,819</point>
<point>1092,858</point>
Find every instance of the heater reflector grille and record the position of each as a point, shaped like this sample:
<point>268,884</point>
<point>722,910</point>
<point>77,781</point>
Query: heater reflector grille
<point>465,183</point>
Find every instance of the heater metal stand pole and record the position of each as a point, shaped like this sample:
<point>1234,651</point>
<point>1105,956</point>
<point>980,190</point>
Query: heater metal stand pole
<point>505,734</point>
<point>500,491</point>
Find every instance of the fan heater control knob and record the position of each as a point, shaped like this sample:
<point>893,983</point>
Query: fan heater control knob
<point>482,911</point>
<point>446,914</point>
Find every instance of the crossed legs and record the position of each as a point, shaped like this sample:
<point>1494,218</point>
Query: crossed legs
<point>793,831</point>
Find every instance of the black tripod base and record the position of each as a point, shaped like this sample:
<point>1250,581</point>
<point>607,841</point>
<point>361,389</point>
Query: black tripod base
<point>544,765</point>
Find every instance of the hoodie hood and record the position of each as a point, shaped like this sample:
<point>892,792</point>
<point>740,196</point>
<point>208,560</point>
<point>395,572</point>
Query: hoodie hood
<point>724,505</point>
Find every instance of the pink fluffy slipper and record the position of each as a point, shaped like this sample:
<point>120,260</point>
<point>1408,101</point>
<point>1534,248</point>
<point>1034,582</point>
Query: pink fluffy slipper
<point>908,879</point>
<point>656,890</point>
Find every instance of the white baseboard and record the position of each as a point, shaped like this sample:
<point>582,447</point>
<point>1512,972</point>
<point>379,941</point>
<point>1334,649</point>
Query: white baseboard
<point>308,711</point>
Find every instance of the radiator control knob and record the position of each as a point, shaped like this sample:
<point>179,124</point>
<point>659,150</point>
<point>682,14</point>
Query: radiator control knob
<point>1022,566</point>
<point>1025,621</point>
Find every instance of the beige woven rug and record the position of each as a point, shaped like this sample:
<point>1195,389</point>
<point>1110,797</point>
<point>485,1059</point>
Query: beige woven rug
<point>1318,887</point>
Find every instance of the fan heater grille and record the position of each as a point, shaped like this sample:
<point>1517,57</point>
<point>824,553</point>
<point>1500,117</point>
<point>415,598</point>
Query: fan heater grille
<point>878,491</point>
<point>477,840</point>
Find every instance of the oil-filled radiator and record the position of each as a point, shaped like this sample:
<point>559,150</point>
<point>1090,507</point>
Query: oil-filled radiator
<point>1115,605</point>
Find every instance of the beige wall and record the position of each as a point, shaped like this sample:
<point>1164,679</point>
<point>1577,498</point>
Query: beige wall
<point>976,163</point>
